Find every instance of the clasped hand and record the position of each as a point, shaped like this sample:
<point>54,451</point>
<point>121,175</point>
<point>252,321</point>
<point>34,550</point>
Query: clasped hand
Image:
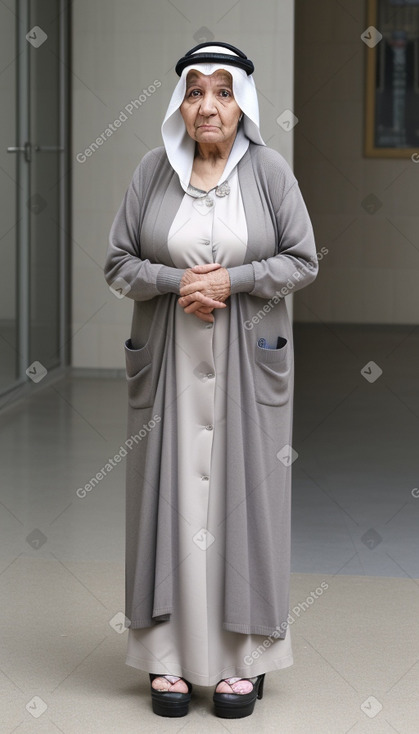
<point>203,288</point>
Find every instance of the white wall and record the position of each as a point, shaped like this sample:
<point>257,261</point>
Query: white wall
<point>372,270</point>
<point>119,48</point>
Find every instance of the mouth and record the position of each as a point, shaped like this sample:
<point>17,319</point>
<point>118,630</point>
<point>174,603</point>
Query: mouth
<point>208,127</point>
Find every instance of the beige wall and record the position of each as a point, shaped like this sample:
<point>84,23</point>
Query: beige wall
<point>371,273</point>
<point>121,47</point>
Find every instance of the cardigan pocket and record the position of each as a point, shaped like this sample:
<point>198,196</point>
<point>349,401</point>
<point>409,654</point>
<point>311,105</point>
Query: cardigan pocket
<point>272,374</point>
<point>139,376</point>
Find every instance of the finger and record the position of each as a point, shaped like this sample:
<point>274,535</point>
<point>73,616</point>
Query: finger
<point>200,299</point>
<point>206,267</point>
<point>204,316</point>
<point>192,297</point>
<point>197,285</point>
<point>192,307</point>
<point>216,304</point>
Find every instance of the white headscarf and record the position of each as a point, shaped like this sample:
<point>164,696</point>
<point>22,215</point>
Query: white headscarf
<point>180,147</point>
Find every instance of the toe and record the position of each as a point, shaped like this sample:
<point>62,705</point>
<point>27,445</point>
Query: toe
<point>223,687</point>
<point>242,686</point>
<point>160,684</point>
<point>179,687</point>
<point>234,685</point>
<point>170,683</point>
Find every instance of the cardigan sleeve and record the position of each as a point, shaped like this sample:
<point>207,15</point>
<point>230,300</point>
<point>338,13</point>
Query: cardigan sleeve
<point>294,266</point>
<point>124,269</point>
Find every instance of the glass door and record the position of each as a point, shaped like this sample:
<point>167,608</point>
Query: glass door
<point>8,199</point>
<point>33,331</point>
<point>44,198</point>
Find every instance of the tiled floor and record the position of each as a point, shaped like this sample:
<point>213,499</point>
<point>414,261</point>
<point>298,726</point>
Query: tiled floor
<point>355,525</point>
<point>356,479</point>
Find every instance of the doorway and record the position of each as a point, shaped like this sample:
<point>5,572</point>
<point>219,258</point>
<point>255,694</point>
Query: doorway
<point>34,192</point>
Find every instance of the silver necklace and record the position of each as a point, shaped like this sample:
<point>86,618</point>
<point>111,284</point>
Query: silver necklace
<point>222,190</point>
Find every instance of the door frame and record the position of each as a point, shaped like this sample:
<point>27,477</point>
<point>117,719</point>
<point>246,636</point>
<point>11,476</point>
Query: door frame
<point>23,385</point>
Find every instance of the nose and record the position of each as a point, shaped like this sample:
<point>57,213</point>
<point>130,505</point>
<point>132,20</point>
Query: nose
<point>207,105</point>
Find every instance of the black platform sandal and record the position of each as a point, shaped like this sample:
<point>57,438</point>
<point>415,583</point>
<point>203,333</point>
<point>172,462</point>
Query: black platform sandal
<point>238,705</point>
<point>169,703</point>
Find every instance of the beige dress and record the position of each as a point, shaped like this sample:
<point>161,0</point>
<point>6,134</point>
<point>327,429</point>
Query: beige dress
<point>193,644</point>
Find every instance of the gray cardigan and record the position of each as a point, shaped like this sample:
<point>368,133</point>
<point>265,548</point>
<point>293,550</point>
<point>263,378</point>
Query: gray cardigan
<point>280,258</point>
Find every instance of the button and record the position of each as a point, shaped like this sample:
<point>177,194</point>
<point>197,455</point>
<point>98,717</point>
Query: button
<point>204,478</point>
<point>210,375</point>
<point>205,242</point>
<point>209,427</point>
<point>209,202</point>
<point>209,325</point>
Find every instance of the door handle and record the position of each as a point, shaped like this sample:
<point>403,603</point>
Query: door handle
<point>26,149</point>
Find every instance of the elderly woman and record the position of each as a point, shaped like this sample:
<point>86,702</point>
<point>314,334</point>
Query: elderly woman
<point>211,235</point>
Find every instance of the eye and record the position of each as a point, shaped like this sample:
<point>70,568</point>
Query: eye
<point>194,93</point>
<point>225,93</point>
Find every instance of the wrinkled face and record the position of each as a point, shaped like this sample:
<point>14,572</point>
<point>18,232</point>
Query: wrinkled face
<point>210,112</point>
